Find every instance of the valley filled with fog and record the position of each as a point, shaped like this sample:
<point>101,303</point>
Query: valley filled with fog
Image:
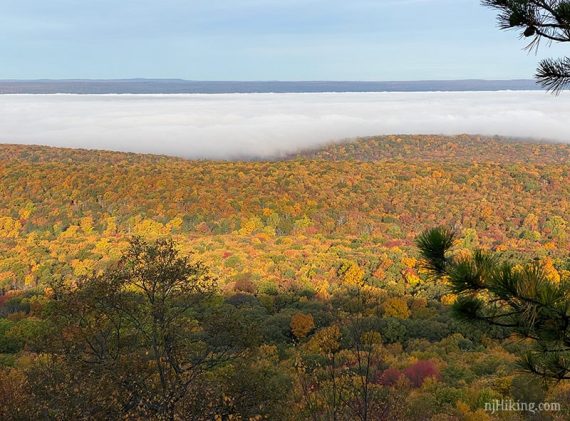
<point>240,126</point>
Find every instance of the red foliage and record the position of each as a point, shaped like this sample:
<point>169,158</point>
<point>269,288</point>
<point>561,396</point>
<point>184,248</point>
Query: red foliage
<point>418,372</point>
<point>393,243</point>
<point>312,230</point>
<point>390,377</point>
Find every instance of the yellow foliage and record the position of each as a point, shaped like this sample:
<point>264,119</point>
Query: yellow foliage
<point>396,307</point>
<point>409,262</point>
<point>103,247</point>
<point>267,212</point>
<point>9,227</point>
<point>86,224</point>
<point>304,222</point>
<point>302,324</point>
<point>174,225</point>
<point>269,231</point>
<point>322,289</point>
<point>463,254</point>
<point>326,340</point>
<point>373,291</point>
<point>411,277</point>
<point>502,247</point>
<point>29,280</point>
<point>148,228</point>
<point>448,299</point>
<point>250,226</point>
<point>6,275</point>
<point>70,232</point>
<point>531,222</point>
<point>354,275</point>
<point>111,226</point>
<point>82,267</point>
<point>25,212</point>
<point>486,211</point>
<point>551,273</point>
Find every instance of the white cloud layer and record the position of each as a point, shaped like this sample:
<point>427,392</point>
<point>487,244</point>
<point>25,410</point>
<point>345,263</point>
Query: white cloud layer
<point>268,125</point>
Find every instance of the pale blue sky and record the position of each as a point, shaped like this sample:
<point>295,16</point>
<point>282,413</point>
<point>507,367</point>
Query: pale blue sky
<point>258,40</point>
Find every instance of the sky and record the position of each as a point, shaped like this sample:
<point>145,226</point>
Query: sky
<point>259,40</point>
<point>234,126</point>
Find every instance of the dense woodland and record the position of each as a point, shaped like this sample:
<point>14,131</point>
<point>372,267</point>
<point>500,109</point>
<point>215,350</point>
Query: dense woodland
<point>308,297</point>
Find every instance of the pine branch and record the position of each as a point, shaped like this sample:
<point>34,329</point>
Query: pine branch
<point>433,245</point>
<point>554,74</point>
<point>538,20</point>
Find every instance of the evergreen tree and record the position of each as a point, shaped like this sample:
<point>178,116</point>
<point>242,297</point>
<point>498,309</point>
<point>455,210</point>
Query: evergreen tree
<point>523,299</point>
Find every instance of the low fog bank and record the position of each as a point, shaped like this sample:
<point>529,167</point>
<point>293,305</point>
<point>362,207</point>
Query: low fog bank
<point>232,126</point>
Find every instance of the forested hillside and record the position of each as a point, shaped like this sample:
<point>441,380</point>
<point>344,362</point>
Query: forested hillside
<point>313,254</point>
<point>464,148</point>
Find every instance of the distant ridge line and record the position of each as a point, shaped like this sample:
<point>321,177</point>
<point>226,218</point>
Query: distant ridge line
<point>179,86</point>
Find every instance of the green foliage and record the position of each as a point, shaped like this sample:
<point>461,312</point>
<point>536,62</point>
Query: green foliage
<point>133,327</point>
<point>246,248</point>
<point>433,245</point>
<point>8,344</point>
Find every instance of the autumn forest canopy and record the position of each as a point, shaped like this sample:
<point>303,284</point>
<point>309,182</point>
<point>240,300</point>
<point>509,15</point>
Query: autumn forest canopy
<point>150,287</point>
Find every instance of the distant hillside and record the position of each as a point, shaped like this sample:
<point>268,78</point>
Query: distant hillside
<point>463,148</point>
<point>283,225</point>
<point>374,187</point>
<point>45,154</point>
<point>422,148</point>
<point>178,86</point>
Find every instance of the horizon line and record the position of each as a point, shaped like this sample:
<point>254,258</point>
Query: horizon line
<point>265,80</point>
